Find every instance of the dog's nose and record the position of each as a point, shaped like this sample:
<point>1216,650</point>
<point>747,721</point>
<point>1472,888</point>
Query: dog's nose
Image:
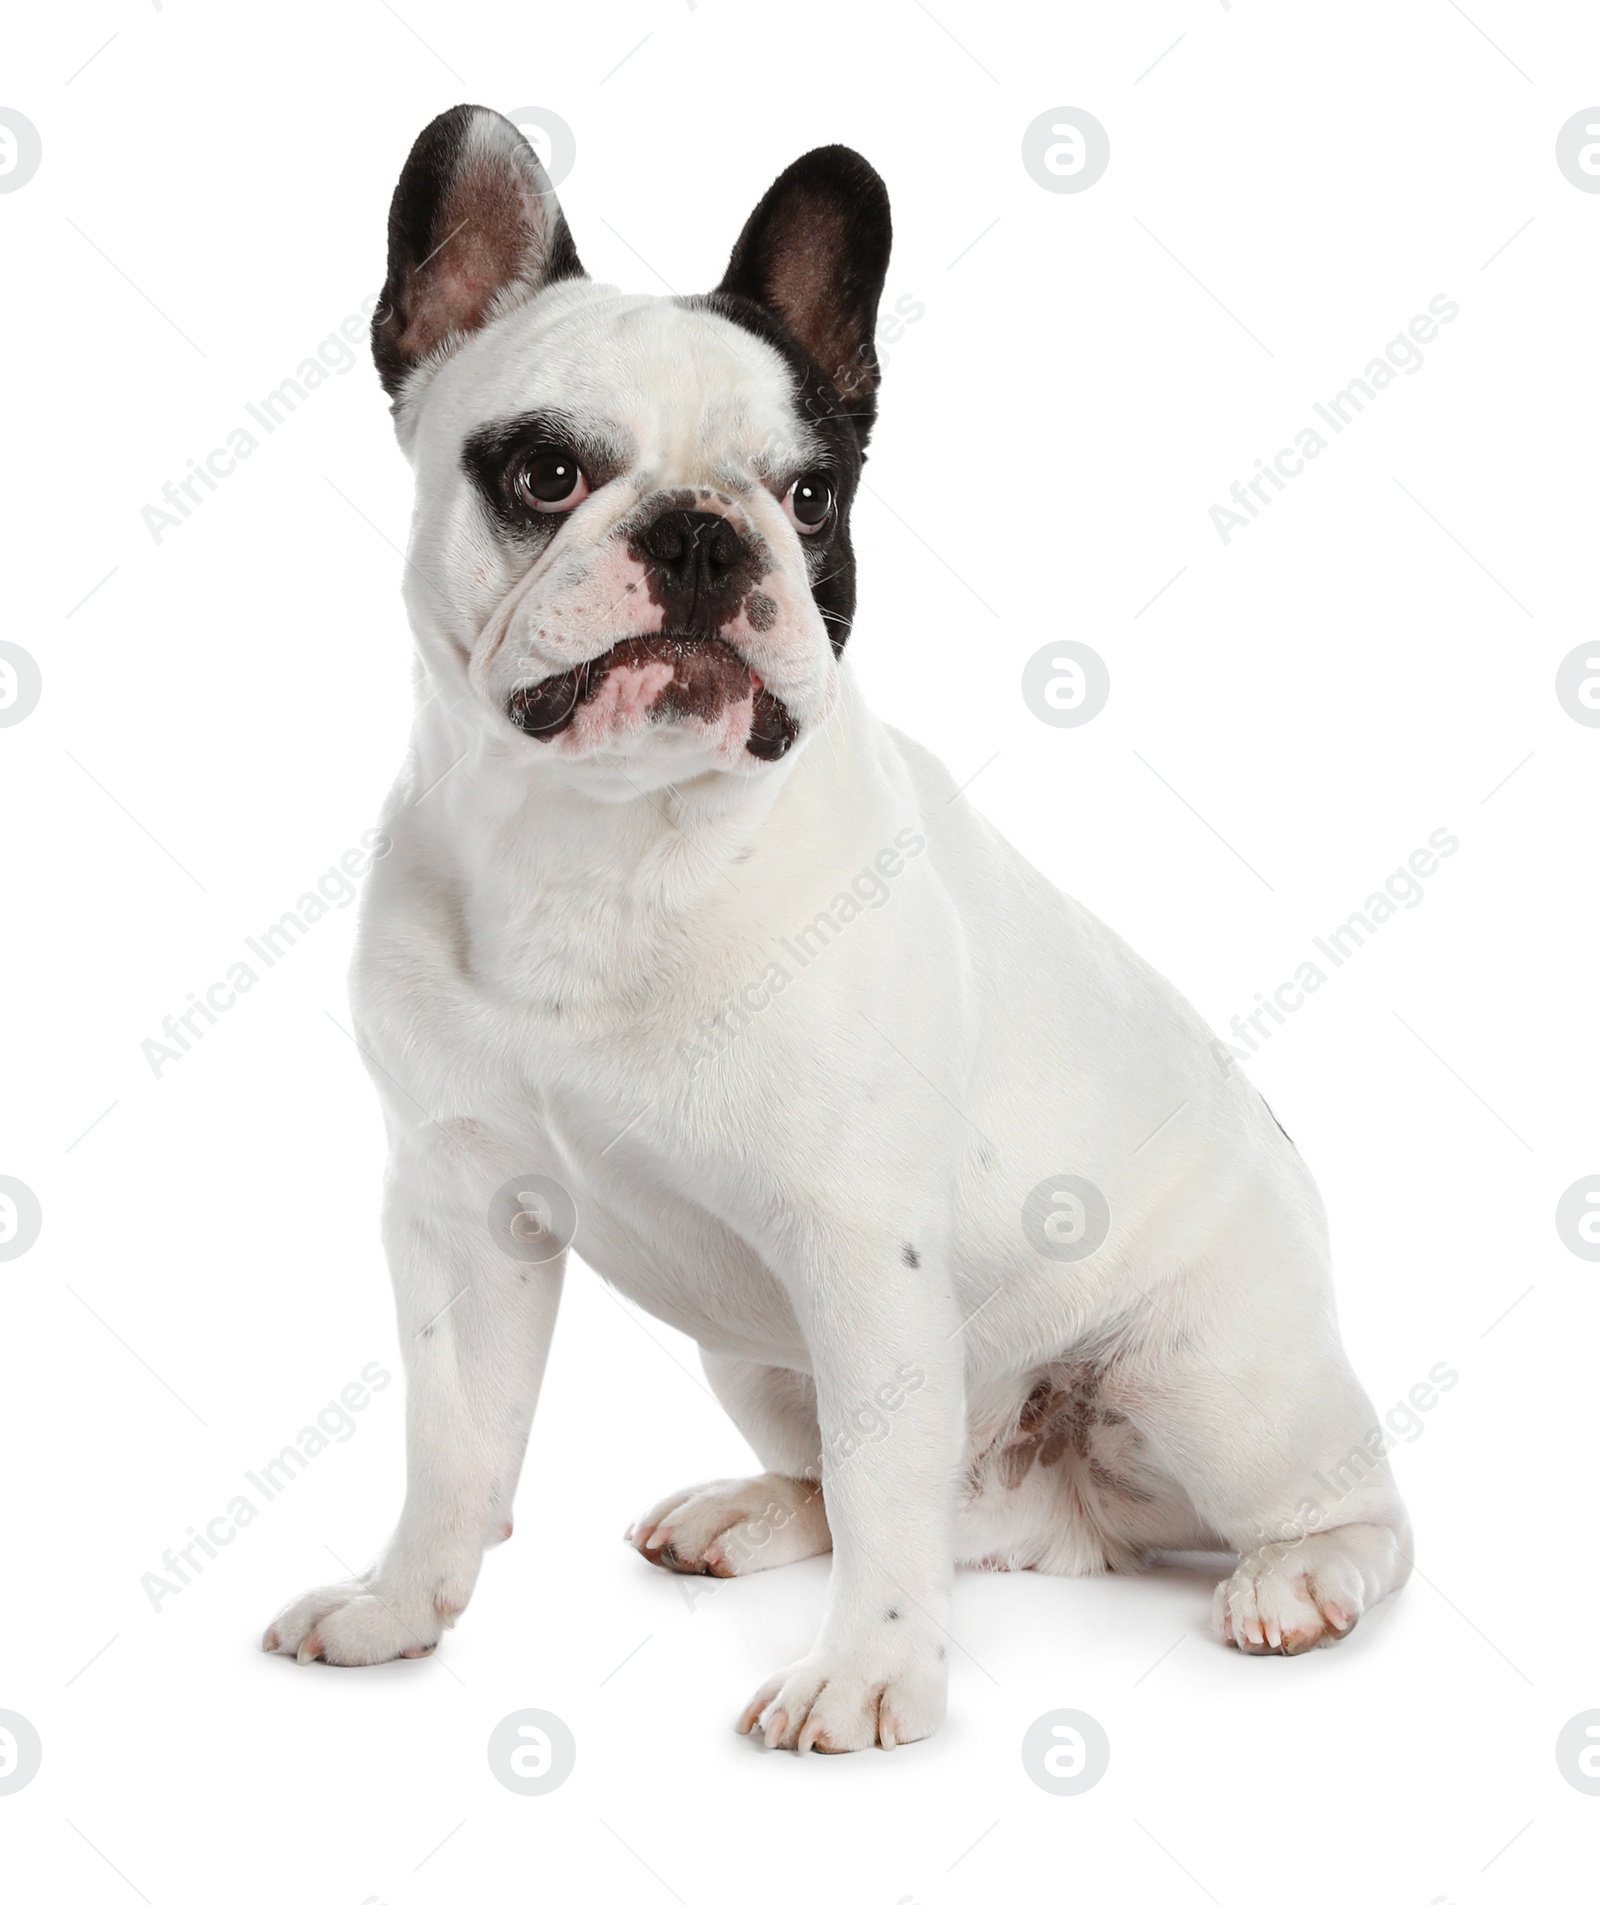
<point>694,549</point>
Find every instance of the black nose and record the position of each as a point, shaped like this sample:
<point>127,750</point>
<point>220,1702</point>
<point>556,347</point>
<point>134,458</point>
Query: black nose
<point>693,548</point>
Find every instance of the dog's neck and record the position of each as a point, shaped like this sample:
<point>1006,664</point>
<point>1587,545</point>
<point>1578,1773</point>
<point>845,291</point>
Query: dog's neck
<point>580,874</point>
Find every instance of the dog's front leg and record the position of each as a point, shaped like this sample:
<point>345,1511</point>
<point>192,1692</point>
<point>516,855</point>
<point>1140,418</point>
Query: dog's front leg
<point>886,1357</point>
<point>475,1324</point>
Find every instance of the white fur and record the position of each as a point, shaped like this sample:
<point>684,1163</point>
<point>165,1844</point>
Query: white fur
<point>541,956</point>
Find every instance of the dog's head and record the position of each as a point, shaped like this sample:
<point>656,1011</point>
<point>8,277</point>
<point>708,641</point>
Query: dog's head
<point>632,531</point>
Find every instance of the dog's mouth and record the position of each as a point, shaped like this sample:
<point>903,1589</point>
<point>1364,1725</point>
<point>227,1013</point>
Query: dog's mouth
<point>648,680</point>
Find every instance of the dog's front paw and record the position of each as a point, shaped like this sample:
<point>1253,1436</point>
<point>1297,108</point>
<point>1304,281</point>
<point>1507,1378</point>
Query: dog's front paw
<point>728,1528</point>
<point>358,1626</point>
<point>839,1702</point>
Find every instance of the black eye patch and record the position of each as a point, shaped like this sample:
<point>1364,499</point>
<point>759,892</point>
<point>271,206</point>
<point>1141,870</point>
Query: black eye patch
<point>495,452</point>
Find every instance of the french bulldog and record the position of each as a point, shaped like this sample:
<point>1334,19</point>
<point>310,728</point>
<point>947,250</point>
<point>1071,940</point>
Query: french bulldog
<point>681,954</point>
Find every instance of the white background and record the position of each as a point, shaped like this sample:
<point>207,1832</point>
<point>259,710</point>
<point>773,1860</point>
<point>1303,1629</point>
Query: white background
<point>1289,720</point>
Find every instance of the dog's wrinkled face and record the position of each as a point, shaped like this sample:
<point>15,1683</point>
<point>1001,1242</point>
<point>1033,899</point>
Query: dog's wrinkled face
<point>632,526</point>
<point>667,527</point>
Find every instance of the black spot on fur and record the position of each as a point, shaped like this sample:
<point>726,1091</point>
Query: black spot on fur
<point>893,1614</point>
<point>909,1257</point>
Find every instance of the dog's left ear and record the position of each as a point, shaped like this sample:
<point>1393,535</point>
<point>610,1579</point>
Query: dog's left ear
<point>474,229</point>
<point>814,253</point>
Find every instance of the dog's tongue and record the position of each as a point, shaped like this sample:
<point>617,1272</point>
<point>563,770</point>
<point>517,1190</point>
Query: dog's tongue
<point>679,677</point>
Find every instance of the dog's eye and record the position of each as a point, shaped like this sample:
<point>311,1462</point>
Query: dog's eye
<point>809,503</point>
<point>551,481</point>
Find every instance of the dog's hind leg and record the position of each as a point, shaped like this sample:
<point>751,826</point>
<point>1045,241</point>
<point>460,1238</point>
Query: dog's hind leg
<point>739,1527</point>
<point>1248,1395</point>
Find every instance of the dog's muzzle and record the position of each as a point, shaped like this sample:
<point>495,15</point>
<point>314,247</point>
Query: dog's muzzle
<point>707,678</point>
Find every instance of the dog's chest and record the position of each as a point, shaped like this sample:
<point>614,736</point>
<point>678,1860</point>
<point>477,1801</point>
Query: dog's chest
<point>647,1230</point>
<point>609,1104</point>
<point>565,1023</point>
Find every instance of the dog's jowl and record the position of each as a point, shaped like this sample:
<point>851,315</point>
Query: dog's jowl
<point>807,1060</point>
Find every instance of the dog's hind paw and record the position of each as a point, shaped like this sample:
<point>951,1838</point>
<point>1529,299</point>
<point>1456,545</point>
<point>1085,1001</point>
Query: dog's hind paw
<point>1292,1596</point>
<point>729,1528</point>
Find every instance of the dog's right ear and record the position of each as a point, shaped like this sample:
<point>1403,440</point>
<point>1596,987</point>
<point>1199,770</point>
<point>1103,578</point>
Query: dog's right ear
<point>474,230</point>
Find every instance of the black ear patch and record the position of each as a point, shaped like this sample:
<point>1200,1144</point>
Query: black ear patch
<point>814,253</point>
<point>473,228</point>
